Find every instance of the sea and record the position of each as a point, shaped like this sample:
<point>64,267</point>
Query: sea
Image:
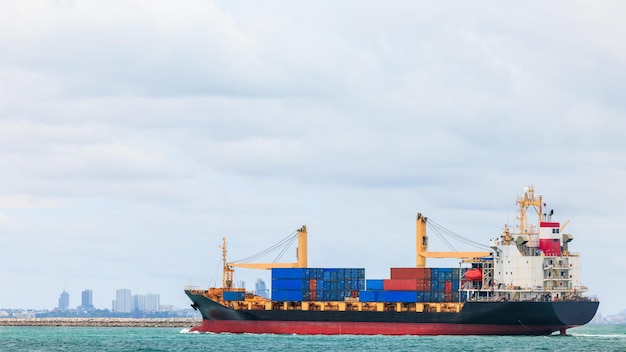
<point>603,338</point>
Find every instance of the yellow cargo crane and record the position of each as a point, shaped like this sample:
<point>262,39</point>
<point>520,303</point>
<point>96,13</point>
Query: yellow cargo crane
<point>422,246</point>
<point>301,256</point>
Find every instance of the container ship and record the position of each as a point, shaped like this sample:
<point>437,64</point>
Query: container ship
<point>527,282</point>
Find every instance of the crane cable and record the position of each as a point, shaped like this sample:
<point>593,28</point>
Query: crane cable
<point>282,245</point>
<point>442,231</point>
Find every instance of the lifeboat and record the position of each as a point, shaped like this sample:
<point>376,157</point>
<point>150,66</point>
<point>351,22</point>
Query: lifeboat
<point>474,275</point>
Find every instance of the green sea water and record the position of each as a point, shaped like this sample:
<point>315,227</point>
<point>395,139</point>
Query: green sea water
<point>603,338</point>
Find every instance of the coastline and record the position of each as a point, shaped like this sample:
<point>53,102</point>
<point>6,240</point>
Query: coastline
<point>104,322</point>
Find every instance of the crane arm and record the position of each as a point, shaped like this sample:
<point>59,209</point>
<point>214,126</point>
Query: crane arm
<point>460,255</point>
<point>265,265</point>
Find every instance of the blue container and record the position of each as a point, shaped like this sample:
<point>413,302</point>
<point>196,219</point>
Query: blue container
<point>368,296</point>
<point>288,273</point>
<point>428,297</point>
<point>420,296</point>
<point>441,287</point>
<point>320,285</point>
<point>399,296</point>
<point>326,296</point>
<point>234,296</point>
<point>289,284</point>
<point>306,273</point>
<point>455,285</point>
<point>319,274</point>
<point>287,295</point>
<point>374,284</point>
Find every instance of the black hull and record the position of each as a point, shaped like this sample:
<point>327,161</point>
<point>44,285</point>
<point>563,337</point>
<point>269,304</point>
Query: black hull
<point>526,318</point>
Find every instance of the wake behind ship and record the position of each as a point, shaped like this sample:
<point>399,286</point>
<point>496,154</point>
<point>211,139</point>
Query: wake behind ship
<point>526,283</point>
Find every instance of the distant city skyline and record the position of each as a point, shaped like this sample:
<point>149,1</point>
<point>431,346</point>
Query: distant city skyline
<point>125,302</point>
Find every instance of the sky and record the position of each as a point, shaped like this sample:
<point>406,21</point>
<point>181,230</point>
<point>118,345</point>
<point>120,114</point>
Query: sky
<point>134,135</point>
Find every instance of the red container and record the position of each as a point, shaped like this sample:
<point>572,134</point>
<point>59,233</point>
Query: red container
<point>313,296</point>
<point>423,285</point>
<point>400,285</point>
<point>410,273</point>
<point>313,285</point>
<point>447,287</point>
<point>448,297</point>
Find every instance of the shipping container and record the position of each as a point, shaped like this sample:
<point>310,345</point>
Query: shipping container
<point>289,284</point>
<point>410,273</point>
<point>287,295</point>
<point>423,285</point>
<point>374,284</point>
<point>400,285</point>
<point>288,273</point>
<point>399,296</point>
<point>234,295</point>
<point>434,285</point>
<point>369,296</point>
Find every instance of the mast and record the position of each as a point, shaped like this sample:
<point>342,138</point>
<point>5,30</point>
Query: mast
<point>227,274</point>
<point>524,203</point>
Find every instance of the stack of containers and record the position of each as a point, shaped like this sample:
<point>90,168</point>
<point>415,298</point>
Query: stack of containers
<point>415,285</point>
<point>316,284</point>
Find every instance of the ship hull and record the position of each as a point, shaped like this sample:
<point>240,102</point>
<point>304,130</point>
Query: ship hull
<point>475,318</point>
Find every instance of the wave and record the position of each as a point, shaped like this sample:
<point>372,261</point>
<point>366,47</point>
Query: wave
<point>622,336</point>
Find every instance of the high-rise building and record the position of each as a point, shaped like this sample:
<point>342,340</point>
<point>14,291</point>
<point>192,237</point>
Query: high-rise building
<point>147,303</point>
<point>87,299</point>
<point>123,302</point>
<point>152,302</point>
<point>64,301</point>
<point>260,288</point>
<point>140,302</point>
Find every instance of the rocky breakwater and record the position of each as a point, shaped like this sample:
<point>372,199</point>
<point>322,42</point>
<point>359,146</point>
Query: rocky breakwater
<point>104,322</point>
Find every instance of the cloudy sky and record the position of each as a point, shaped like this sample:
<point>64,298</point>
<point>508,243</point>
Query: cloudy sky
<point>134,135</point>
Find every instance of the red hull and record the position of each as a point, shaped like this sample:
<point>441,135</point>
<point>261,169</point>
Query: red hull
<point>366,328</point>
